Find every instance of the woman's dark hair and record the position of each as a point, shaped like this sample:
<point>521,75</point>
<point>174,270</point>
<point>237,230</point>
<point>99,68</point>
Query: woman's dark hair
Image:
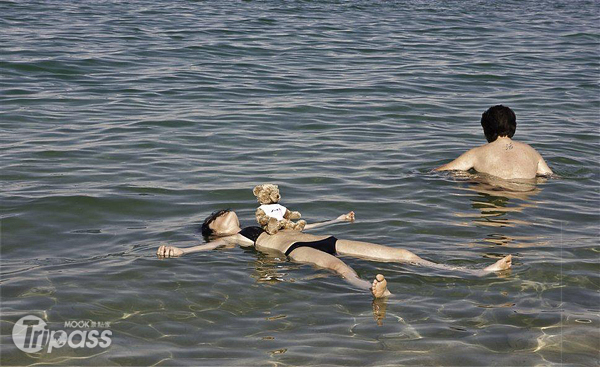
<point>498,121</point>
<point>206,231</point>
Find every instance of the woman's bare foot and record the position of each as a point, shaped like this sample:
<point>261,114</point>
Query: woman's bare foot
<point>502,264</point>
<point>379,287</point>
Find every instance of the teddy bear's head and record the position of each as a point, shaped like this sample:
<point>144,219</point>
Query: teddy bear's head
<point>267,193</point>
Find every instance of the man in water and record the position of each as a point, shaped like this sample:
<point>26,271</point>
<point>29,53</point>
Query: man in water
<point>501,157</point>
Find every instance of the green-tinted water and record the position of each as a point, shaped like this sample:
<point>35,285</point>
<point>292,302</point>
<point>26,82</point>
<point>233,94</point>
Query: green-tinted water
<point>125,124</point>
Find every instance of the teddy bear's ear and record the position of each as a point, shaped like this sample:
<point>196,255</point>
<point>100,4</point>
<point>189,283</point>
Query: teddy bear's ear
<point>257,190</point>
<point>272,188</point>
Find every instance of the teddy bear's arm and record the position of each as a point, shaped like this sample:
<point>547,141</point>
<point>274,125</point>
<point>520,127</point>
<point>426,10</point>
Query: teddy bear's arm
<point>261,217</point>
<point>292,215</point>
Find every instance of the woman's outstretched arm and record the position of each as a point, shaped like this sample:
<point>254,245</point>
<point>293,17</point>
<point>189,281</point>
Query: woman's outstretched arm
<point>174,251</point>
<point>342,218</point>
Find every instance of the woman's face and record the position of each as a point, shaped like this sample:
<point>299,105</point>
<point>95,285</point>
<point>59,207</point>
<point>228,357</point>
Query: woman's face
<point>226,224</point>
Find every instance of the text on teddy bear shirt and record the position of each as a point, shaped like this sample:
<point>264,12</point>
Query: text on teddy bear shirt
<point>276,211</point>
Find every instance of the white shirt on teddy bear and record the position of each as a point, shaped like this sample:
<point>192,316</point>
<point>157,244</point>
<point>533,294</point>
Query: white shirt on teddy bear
<point>274,210</point>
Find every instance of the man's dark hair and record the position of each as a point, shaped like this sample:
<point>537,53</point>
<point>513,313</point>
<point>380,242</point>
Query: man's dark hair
<point>206,231</point>
<point>498,121</point>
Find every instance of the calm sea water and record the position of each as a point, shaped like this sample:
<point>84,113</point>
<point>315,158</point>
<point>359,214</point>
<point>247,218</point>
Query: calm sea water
<point>123,124</point>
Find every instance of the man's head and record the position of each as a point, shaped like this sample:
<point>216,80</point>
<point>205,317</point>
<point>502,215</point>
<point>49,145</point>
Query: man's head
<point>498,121</point>
<point>220,223</point>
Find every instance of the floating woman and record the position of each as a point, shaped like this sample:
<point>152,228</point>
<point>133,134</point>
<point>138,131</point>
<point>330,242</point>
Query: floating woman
<point>223,228</point>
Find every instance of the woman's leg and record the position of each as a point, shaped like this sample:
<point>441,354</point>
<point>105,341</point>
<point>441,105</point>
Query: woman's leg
<point>372,251</point>
<point>308,255</point>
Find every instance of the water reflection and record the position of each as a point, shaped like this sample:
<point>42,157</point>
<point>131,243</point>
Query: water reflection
<point>496,198</point>
<point>379,310</point>
<point>498,239</point>
<point>498,203</point>
<point>270,267</point>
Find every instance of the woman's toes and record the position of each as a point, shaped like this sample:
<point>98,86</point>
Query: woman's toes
<point>502,264</point>
<point>379,288</point>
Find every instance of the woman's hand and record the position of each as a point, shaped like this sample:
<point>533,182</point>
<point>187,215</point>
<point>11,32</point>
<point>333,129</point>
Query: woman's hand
<point>169,251</point>
<point>342,218</point>
<point>346,217</point>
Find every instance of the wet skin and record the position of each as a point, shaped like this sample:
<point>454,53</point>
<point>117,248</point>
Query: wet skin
<point>227,226</point>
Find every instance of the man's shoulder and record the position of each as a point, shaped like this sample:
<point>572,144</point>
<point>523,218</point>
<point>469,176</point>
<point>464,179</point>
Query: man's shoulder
<point>525,147</point>
<point>521,144</point>
<point>478,150</point>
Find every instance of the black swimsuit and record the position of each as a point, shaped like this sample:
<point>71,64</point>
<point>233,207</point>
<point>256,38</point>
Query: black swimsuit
<point>252,233</point>
<point>326,245</point>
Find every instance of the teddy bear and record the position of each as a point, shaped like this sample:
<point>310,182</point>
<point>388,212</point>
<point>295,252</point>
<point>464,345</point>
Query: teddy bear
<point>273,216</point>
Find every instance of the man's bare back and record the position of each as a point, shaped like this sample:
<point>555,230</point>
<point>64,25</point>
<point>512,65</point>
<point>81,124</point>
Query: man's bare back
<point>502,157</point>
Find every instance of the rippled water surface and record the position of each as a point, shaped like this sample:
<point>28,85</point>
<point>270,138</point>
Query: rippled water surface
<point>124,124</point>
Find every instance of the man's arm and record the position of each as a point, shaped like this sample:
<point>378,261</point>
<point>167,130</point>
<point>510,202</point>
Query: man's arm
<point>542,168</point>
<point>342,218</point>
<point>463,163</point>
